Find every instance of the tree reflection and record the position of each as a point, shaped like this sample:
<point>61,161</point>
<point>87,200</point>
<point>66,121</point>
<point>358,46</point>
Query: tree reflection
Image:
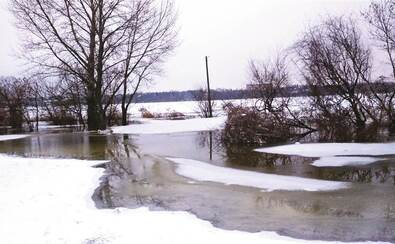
<point>209,140</point>
<point>245,156</point>
<point>123,154</point>
<point>379,174</point>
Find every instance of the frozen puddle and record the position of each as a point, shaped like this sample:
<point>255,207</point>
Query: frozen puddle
<point>201,171</point>
<point>49,201</point>
<point>12,137</point>
<point>172,126</point>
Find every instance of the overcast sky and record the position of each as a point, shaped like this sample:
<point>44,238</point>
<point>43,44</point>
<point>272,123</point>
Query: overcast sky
<point>230,32</point>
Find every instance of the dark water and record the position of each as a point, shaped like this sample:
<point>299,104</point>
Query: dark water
<point>138,175</point>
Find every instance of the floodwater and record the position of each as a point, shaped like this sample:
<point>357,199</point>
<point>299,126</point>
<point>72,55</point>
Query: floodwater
<point>138,175</point>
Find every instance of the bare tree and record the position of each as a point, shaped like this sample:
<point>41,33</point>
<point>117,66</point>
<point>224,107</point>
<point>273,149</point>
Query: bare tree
<point>84,39</point>
<point>334,58</point>
<point>201,96</point>
<point>149,41</point>
<point>269,83</point>
<point>268,80</point>
<point>381,17</point>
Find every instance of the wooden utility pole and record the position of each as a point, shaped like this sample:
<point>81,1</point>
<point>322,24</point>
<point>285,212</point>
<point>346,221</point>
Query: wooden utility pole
<point>210,109</point>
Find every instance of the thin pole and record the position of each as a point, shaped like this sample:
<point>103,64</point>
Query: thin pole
<point>210,109</point>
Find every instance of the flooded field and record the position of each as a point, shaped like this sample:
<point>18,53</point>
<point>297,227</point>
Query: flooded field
<point>139,175</point>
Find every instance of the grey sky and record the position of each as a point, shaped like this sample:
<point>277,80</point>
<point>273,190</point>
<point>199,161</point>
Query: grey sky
<point>231,32</point>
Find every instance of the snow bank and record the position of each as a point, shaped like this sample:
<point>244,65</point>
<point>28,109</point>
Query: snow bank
<point>344,161</point>
<point>333,149</point>
<point>171,126</point>
<point>48,201</point>
<point>12,137</point>
<point>201,171</point>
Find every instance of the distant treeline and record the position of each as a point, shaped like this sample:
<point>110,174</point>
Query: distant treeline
<point>175,96</point>
<point>229,94</point>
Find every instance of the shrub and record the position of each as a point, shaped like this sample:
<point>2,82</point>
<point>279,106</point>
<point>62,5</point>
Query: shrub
<point>3,117</point>
<point>248,126</point>
<point>174,115</point>
<point>146,114</point>
<point>114,117</point>
<point>62,118</point>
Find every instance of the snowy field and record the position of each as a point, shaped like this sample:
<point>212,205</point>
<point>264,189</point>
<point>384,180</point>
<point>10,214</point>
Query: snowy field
<point>41,204</point>
<point>189,108</point>
<point>150,126</point>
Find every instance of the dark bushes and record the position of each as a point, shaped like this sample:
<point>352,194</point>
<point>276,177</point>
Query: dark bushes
<point>62,118</point>
<point>248,126</point>
<point>174,115</point>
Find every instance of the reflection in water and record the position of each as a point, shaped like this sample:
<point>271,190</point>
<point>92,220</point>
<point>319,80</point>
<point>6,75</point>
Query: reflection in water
<point>364,212</point>
<point>67,145</point>
<point>382,173</point>
<point>197,146</point>
<point>205,140</point>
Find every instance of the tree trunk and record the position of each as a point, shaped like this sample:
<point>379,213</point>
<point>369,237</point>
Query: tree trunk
<point>392,126</point>
<point>96,119</point>
<point>16,118</point>
<point>124,115</point>
<point>124,107</point>
<point>360,122</point>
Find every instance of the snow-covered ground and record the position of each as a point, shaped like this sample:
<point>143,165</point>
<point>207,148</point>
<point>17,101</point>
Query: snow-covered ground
<point>150,126</point>
<point>191,107</point>
<point>202,171</point>
<point>12,137</point>
<point>185,107</point>
<point>49,201</point>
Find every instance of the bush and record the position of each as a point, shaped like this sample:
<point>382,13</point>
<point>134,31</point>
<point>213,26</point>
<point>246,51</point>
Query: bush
<point>3,117</point>
<point>63,119</point>
<point>114,117</point>
<point>146,114</point>
<point>248,126</point>
<point>174,115</point>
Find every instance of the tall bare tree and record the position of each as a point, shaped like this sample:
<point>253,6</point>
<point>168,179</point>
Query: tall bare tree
<point>268,80</point>
<point>152,36</point>
<point>84,39</point>
<point>269,83</point>
<point>333,57</point>
<point>150,39</point>
<point>381,17</point>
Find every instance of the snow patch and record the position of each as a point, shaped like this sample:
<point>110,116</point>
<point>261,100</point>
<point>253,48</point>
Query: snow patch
<point>316,150</point>
<point>12,137</point>
<point>201,171</point>
<point>344,161</point>
<point>171,126</point>
<point>49,201</point>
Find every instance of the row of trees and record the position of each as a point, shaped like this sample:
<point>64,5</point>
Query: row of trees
<point>24,102</point>
<point>89,51</point>
<point>350,95</point>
